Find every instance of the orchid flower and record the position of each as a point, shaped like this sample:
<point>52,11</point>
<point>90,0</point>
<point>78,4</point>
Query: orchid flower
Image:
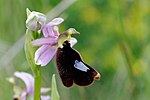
<point>51,41</point>
<point>28,79</point>
<point>35,20</point>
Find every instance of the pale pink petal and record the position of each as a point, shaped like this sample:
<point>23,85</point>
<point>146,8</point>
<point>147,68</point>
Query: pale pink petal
<point>45,97</point>
<point>38,54</point>
<point>44,55</point>
<point>44,90</point>
<point>51,31</point>
<point>48,28</point>
<point>28,80</point>
<point>73,41</point>
<point>44,41</point>
<point>47,56</point>
<point>55,21</point>
<point>47,31</point>
<point>23,95</point>
<point>56,31</point>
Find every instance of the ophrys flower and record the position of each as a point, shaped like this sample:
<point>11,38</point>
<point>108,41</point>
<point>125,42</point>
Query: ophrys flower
<point>51,41</point>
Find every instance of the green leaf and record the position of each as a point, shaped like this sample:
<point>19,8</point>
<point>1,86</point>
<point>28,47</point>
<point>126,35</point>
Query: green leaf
<point>29,52</point>
<point>54,93</point>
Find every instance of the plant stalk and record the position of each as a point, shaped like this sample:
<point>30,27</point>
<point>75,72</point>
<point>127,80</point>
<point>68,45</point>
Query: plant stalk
<point>37,84</point>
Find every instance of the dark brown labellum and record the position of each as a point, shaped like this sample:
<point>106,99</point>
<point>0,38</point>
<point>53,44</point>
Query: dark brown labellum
<point>15,99</point>
<point>72,69</point>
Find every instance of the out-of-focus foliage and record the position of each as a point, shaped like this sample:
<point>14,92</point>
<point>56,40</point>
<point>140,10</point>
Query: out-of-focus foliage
<point>114,39</point>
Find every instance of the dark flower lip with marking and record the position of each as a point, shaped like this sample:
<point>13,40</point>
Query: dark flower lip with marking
<point>72,69</point>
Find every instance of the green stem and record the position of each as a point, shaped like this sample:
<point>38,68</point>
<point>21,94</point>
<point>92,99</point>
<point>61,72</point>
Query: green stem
<point>37,84</point>
<point>122,42</point>
<point>29,51</point>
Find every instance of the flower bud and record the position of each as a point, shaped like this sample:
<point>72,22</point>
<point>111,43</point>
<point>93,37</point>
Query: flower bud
<point>35,20</point>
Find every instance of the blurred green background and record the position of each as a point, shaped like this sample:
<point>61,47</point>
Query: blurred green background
<point>114,39</point>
